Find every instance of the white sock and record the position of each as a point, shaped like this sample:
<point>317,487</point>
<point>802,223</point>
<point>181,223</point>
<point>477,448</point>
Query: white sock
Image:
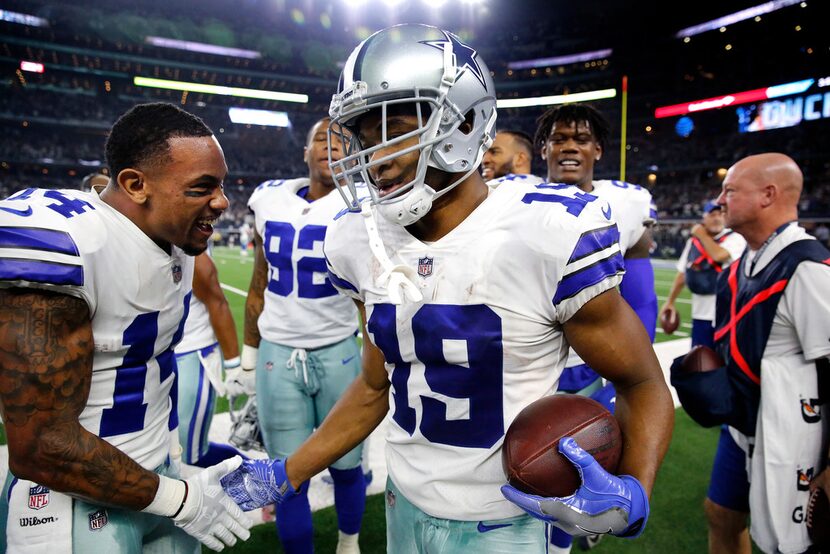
<point>347,543</point>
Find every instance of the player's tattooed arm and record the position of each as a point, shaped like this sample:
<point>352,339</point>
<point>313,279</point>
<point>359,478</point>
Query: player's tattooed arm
<point>255,302</point>
<point>46,350</point>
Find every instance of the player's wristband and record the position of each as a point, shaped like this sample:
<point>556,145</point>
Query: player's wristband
<point>170,497</point>
<point>232,363</point>
<point>248,357</point>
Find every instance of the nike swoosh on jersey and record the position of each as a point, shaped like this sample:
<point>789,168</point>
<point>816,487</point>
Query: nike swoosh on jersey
<point>483,528</point>
<point>608,213</point>
<point>22,213</point>
<point>347,360</point>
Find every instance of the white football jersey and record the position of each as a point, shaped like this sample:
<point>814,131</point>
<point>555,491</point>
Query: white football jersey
<point>198,332</point>
<point>515,178</point>
<point>72,242</point>
<point>302,308</point>
<point>487,339</point>
<point>632,208</point>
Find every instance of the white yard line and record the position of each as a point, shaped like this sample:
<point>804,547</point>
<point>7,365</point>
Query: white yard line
<point>234,290</point>
<point>679,300</point>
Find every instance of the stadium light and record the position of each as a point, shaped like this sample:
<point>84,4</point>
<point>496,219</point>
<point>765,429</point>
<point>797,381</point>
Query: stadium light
<point>202,48</point>
<point>259,117</point>
<point>32,67</point>
<point>733,18</point>
<point>734,99</point>
<point>224,91</point>
<point>561,60</point>
<point>23,19</point>
<point>557,99</point>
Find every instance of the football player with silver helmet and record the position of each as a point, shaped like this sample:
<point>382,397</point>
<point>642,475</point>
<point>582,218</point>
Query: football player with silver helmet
<point>467,295</point>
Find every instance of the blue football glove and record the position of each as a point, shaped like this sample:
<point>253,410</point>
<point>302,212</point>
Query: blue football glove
<point>258,483</point>
<point>604,503</point>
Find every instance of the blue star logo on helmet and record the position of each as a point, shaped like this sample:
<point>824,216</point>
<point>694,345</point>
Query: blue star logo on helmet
<point>465,57</point>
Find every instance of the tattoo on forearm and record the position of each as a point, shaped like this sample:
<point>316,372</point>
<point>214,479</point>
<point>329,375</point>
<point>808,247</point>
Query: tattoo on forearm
<point>38,365</point>
<point>255,302</point>
<point>46,349</point>
<point>253,307</point>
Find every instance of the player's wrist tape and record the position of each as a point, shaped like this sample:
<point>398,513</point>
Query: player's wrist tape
<point>232,363</point>
<point>248,357</point>
<point>170,498</point>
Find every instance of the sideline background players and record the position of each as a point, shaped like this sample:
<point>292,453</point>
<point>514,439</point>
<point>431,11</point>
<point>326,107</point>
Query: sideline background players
<point>208,345</point>
<point>305,331</point>
<point>510,154</point>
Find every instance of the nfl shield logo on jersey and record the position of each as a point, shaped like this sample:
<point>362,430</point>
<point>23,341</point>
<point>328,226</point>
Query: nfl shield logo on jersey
<point>38,497</point>
<point>177,273</point>
<point>97,520</point>
<point>425,266</point>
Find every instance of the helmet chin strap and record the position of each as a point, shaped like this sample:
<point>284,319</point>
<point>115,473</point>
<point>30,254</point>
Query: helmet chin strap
<point>398,279</point>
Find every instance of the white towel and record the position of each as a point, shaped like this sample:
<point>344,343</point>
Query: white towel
<point>39,520</point>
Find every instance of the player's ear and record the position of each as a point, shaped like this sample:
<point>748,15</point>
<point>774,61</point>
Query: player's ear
<point>305,154</point>
<point>132,182</point>
<point>599,153</point>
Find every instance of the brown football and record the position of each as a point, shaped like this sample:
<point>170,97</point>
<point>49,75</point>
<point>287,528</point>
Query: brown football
<point>818,519</point>
<point>701,358</point>
<point>530,455</point>
<point>669,324</point>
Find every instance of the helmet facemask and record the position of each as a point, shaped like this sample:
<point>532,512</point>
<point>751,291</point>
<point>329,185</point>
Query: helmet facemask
<point>442,144</point>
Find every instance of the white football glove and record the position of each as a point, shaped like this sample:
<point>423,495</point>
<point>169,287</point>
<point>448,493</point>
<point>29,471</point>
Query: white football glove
<point>242,379</point>
<point>208,513</point>
<point>175,455</point>
<point>213,369</point>
<point>201,507</point>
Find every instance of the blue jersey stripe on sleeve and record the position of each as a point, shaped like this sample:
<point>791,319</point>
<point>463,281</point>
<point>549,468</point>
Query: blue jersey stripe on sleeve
<point>339,282</point>
<point>34,238</point>
<point>37,271</point>
<point>594,241</point>
<point>590,275</point>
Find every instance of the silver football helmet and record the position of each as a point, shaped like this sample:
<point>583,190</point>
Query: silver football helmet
<point>245,431</point>
<point>444,81</point>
